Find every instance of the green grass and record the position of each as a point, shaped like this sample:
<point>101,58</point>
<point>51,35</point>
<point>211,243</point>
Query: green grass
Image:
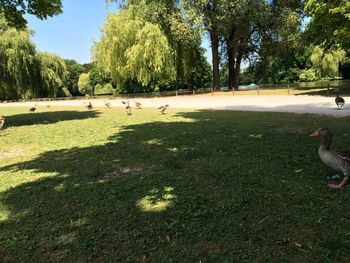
<point>187,186</point>
<point>280,91</point>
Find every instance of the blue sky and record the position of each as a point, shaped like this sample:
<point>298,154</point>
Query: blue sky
<point>70,34</point>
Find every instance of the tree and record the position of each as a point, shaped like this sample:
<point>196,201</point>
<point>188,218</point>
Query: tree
<point>132,49</point>
<point>275,49</point>
<point>330,23</point>
<point>240,24</point>
<point>209,13</point>
<point>17,62</point>
<point>74,69</point>
<point>84,84</point>
<point>15,10</point>
<point>52,71</point>
<point>326,63</point>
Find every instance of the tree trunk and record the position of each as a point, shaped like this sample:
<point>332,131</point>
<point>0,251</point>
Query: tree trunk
<point>231,58</point>
<point>214,38</point>
<point>237,69</point>
<point>231,65</point>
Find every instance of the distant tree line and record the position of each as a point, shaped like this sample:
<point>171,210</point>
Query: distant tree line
<point>154,45</point>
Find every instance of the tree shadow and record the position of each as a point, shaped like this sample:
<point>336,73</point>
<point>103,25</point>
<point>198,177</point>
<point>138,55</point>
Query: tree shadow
<point>204,188</point>
<point>331,92</point>
<point>37,118</point>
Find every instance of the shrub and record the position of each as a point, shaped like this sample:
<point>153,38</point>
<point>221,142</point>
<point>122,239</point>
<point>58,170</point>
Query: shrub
<point>64,92</point>
<point>84,84</point>
<point>307,75</point>
<point>107,89</point>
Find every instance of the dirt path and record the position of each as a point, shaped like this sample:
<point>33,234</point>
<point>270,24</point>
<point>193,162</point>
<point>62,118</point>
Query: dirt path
<point>276,103</point>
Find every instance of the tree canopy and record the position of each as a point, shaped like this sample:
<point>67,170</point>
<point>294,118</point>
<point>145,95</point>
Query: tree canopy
<point>24,72</point>
<point>330,22</point>
<point>14,10</point>
<point>151,45</point>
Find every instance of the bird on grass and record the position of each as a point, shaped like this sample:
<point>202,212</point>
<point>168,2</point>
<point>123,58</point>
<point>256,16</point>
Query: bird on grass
<point>138,105</point>
<point>127,107</point>
<point>89,106</point>
<point>32,109</point>
<point>339,101</point>
<point>2,121</point>
<point>162,109</point>
<point>337,159</point>
<point>107,104</point>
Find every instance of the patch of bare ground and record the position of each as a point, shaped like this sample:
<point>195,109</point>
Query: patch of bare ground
<point>126,171</point>
<point>11,152</point>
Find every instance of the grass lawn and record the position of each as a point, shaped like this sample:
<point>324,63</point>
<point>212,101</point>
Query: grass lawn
<point>187,186</point>
<point>282,91</point>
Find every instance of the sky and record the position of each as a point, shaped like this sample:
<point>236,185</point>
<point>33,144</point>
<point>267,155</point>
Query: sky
<point>70,34</point>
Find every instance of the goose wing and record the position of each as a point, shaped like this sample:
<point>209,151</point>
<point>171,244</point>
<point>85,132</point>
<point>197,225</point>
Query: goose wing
<point>344,154</point>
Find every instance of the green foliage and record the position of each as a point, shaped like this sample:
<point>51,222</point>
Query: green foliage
<point>133,49</point>
<point>53,71</point>
<point>330,23</point>
<point>14,11</point>
<point>17,62</point>
<point>74,70</point>
<point>25,73</point>
<point>326,63</point>
<point>106,89</point>
<point>308,75</point>
<point>64,92</point>
<point>96,77</point>
<point>84,84</point>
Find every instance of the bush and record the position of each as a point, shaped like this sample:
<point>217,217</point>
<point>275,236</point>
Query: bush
<point>307,75</point>
<point>64,92</point>
<point>84,84</point>
<point>107,89</point>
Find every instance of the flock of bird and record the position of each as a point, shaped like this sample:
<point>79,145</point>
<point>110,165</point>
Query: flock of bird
<point>90,107</point>
<point>336,159</point>
<point>340,102</point>
<point>127,106</point>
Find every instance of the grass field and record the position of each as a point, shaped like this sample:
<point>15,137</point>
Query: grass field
<point>187,186</point>
<point>283,91</point>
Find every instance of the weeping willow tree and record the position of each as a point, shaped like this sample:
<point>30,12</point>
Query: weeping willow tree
<point>326,63</point>
<point>133,49</point>
<point>25,73</point>
<point>17,62</point>
<point>53,71</point>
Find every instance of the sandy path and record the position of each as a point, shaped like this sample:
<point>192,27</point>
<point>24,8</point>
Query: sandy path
<point>274,103</point>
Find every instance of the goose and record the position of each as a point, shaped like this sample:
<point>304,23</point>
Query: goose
<point>107,104</point>
<point>336,159</point>
<point>339,101</point>
<point>2,121</point>
<point>138,104</point>
<point>127,107</point>
<point>89,106</point>
<point>162,109</point>
<point>32,109</point>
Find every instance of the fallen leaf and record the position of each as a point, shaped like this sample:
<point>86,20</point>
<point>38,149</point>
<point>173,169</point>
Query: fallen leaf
<point>297,244</point>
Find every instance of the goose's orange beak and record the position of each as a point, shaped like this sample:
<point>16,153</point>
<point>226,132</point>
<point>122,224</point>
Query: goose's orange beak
<point>315,134</point>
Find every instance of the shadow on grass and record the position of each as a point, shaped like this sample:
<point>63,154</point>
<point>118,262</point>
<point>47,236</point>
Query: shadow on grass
<point>47,117</point>
<point>331,92</point>
<point>220,187</point>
